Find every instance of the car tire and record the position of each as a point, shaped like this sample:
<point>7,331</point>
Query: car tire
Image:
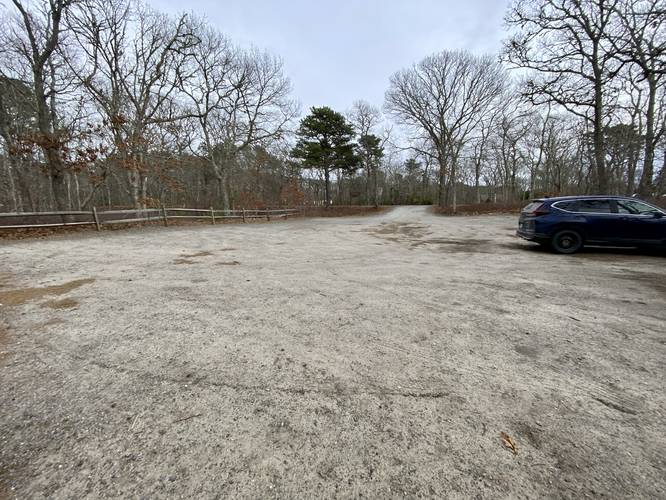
<point>566,241</point>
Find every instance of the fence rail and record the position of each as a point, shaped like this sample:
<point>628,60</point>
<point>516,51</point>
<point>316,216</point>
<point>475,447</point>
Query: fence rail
<point>98,218</point>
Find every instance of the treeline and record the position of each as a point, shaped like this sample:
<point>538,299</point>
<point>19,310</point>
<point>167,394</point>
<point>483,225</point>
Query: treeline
<point>111,103</point>
<point>584,111</point>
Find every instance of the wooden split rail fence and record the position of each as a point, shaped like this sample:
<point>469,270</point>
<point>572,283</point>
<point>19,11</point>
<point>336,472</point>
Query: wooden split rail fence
<point>99,218</point>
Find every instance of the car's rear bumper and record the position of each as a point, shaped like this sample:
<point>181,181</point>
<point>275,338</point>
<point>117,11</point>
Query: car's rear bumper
<point>531,235</point>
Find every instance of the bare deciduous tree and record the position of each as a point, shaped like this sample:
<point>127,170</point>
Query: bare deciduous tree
<point>241,100</point>
<point>365,117</point>
<point>443,98</point>
<point>133,79</point>
<point>33,38</point>
<point>641,42</point>
<point>566,43</point>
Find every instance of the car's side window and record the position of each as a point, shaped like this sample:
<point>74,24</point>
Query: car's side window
<point>634,207</point>
<point>594,206</point>
<point>569,206</point>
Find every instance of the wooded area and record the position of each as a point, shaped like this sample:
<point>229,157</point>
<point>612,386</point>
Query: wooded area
<point>114,104</point>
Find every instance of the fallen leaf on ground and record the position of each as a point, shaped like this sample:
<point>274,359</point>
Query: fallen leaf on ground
<point>509,443</point>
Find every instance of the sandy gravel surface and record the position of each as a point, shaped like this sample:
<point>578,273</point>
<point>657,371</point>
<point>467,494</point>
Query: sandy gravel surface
<point>382,356</point>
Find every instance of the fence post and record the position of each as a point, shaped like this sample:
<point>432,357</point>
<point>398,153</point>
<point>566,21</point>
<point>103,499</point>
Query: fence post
<point>164,217</point>
<point>96,218</point>
<point>268,215</point>
<point>212,214</point>
<point>243,215</point>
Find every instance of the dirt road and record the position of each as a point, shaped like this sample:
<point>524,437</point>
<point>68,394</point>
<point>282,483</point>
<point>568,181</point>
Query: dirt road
<point>372,356</point>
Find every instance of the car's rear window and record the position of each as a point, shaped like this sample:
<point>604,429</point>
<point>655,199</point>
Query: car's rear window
<point>533,205</point>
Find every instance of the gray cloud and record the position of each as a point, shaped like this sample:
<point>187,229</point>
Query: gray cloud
<point>338,51</point>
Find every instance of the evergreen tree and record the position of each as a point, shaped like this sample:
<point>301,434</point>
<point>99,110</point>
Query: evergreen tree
<point>372,151</point>
<point>325,144</point>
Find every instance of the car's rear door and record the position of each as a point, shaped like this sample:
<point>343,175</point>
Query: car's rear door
<point>640,222</point>
<point>600,221</point>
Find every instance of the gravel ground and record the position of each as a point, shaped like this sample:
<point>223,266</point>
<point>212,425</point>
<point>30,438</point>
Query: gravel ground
<point>404,354</point>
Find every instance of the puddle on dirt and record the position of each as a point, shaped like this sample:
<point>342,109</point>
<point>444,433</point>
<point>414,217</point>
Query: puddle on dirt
<point>400,229</point>
<point>528,351</point>
<point>61,304</point>
<point>447,245</point>
<point>451,241</point>
<point>23,295</point>
<point>656,281</point>
<point>415,236</point>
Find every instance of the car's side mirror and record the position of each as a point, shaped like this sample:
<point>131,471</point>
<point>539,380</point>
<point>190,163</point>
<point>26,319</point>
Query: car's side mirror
<point>658,215</point>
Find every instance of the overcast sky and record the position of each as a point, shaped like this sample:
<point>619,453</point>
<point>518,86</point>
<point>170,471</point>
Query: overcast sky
<point>338,51</point>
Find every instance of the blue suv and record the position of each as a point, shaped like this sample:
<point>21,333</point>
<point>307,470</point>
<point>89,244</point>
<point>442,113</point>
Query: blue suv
<point>566,224</point>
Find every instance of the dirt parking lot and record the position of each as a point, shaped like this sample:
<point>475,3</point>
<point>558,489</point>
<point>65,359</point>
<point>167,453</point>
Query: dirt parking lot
<point>395,355</point>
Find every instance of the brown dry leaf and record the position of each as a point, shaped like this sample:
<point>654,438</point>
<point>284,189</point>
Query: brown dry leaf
<point>509,443</point>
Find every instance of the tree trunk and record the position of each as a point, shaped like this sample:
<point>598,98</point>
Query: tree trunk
<point>59,185</point>
<point>24,186</point>
<point>144,190</point>
<point>368,169</point>
<point>78,191</point>
<point>441,195</point>
<point>631,170</point>
<point>68,183</point>
<point>661,186</point>
<point>376,190</point>
<point>224,191</point>
<point>477,185</point>
<point>645,185</point>
<point>452,183</point>
<point>134,180</point>
<point>49,142</point>
<point>598,135</point>
<point>327,179</point>
<point>14,193</point>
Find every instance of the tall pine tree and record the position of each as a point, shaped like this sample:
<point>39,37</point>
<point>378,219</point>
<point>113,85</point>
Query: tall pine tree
<point>325,144</point>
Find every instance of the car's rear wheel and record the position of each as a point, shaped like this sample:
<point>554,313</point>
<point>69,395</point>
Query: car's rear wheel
<point>566,241</point>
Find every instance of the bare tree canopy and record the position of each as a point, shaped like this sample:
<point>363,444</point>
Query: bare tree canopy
<point>567,44</point>
<point>442,99</point>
